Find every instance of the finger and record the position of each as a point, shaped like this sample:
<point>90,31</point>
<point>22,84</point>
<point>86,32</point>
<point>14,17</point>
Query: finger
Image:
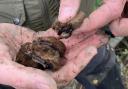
<point>21,77</point>
<point>4,52</point>
<point>119,27</point>
<point>15,34</point>
<point>110,10</point>
<point>48,33</point>
<point>76,38</point>
<point>64,75</point>
<point>96,40</point>
<point>86,38</point>
<point>68,9</point>
<point>72,68</point>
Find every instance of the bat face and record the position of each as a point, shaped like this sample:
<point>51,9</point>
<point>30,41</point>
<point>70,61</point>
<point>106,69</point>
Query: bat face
<point>65,30</point>
<point>44,53</point>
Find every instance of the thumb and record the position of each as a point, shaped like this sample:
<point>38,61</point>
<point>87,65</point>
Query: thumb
<point>47,33</point>
<point>22,77</point>
<point>68,9</point>
<point>119,27</point>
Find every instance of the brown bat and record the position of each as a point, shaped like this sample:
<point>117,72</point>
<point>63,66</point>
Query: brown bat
<point>43,53</point>
<point>65,30</point>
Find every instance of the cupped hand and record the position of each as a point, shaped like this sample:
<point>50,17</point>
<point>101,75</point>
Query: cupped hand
<point>80,50</point>
<point>12,73</point>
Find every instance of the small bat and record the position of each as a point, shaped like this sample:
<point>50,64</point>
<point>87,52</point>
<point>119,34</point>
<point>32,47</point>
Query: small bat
<point>64,30</point>
<point>43,53</point>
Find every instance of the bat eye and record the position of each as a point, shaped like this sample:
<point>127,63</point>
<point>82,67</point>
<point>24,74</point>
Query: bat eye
<point>65,31</point>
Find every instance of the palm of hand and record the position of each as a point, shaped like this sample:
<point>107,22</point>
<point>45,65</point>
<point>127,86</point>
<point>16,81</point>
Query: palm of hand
<point>76,56</point>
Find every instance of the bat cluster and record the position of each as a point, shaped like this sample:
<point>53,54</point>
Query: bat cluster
<point>43,53</point>
<point>48,52</point>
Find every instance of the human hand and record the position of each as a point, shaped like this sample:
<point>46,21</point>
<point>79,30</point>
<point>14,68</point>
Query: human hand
<point>119,27</point>
<point>80,50</point>
<point>108,11</point>
<point>12,73</point>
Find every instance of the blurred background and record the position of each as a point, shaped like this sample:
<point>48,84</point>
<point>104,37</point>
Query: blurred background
<point>120,44</point>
